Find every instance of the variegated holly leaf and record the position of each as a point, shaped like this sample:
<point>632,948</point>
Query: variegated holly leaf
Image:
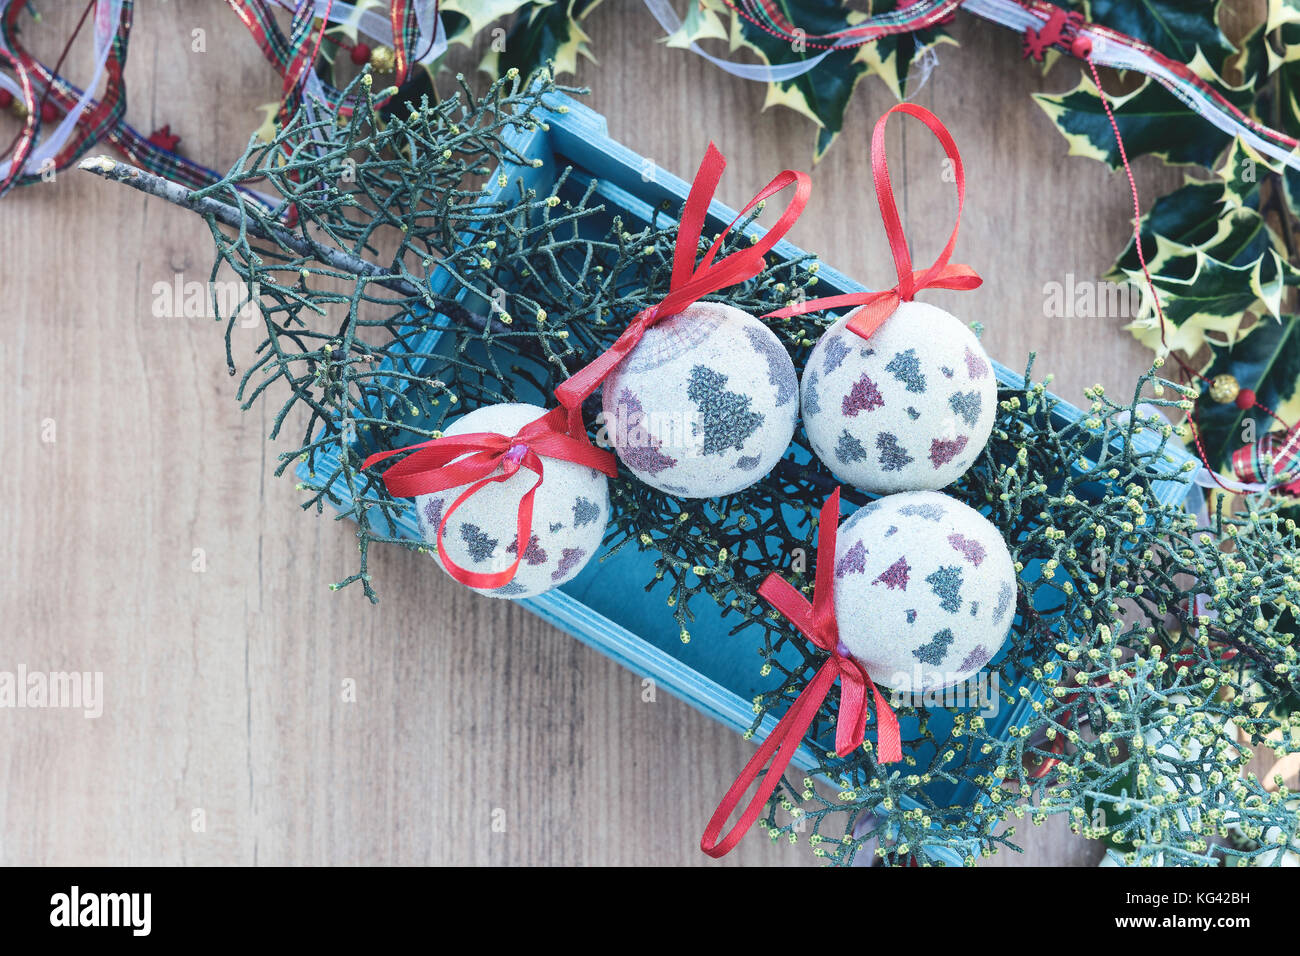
<point>1266,360</point>
<point>545,33</point>
<point>1202,296</point>
<point>1176,28</point>
<point>822,93</point>
<point>1151,119</point>
<point>704,20</point>
<point>466,19</point>
<point>1241,173</point>
<point>892,58</point>
<point>1281,12</point>
<point>1218,217</point>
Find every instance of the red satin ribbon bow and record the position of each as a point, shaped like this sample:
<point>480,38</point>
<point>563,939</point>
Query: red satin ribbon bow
<point>942,275</point>
<point>455,460</point>
<point>690,282</point>
<point>816,621</point>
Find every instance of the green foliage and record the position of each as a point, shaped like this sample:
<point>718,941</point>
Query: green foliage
<point>1270,358</point>
<point>1220,249</point>
<point>1151,119</point>
<point>1159,632</point>
<point>1177,28</point>
<point>542,31</point>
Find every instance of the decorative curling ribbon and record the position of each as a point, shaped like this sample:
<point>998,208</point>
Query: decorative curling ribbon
<point>1273,461</point>
<point>455,460</point>
<point>879,306</point>
<point>691,282</point>
<point>816,621</point>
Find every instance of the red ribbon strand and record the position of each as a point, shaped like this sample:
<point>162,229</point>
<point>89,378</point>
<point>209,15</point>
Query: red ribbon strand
<point>472,459</point>
<point>691,282</point>
<point>879,306</point>
<point>816,621</point>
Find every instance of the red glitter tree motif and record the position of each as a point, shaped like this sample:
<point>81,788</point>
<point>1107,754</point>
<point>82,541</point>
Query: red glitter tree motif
<point>533,554</point>
<point>976,367</point>
<point>862,397</point>
<point>942,450</point>
<point>969,547</point>
<point>894,577</point>
<point>854,561</point>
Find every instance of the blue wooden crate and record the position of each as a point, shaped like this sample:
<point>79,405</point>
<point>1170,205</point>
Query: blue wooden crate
<point>607,606</point>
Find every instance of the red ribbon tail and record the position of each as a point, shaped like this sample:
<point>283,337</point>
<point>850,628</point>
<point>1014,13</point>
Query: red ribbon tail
<point>851,724</point>
<point>889,741</point>
<point>779,748</point>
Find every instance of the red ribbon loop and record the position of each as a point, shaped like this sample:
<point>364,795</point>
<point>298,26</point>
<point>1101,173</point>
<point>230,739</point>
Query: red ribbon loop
<point>691,282</point>
<point>472,459</point>
<point>878,306</point>
<point>816,621</point>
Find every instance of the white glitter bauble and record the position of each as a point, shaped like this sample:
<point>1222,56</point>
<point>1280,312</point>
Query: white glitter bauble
<point>570,511</point>
<point>705,404</point>
<point>925,590</point>
<point>908,409</point>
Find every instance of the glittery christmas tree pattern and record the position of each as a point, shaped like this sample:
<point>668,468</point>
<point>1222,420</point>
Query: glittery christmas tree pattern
<point>1005,594</point>
<point>894,577</point>
<point>977,657</point>
<point>942,450</point>
<point>967,406</point>
<point>976,367</point>
<point>906,367</point>
<point>570,558</point>
<point>433,515</point>
<point>849,449</point>
<point>639,448</point>
<point>973,550</point>
<point>533,554</point>
<point>780,372</point>
<point>935,650</point>
<point>585,512</point>
<point>946,584</point>
<point>479,543</point>
<point>893,456</point>
<point>925,512</point>
<point>854,561</point>
<point>811,403</point>
<point>836,353</point>
<point>725,417</point>
<point>863,397</point>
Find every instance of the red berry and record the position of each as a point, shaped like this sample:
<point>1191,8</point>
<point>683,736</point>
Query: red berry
<point>6,99</point>
<point>360,54</point>
<point>48,112</point>
<point>1245,399</point>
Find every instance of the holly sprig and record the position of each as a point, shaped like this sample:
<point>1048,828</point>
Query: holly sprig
<point>1220,249</point>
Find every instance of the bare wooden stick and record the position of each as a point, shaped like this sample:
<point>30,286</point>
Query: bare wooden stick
<point>228,215</point>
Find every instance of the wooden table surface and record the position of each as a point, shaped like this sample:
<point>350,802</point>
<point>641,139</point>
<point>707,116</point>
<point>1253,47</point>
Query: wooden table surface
<point>146,538</point>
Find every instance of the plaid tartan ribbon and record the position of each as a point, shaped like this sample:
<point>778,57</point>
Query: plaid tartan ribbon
<point>1274,460</point>
<point>97,120</point>
<point>293,55</point>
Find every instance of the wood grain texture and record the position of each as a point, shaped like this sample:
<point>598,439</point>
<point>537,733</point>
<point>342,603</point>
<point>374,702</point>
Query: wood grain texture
<point>223,688</point>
